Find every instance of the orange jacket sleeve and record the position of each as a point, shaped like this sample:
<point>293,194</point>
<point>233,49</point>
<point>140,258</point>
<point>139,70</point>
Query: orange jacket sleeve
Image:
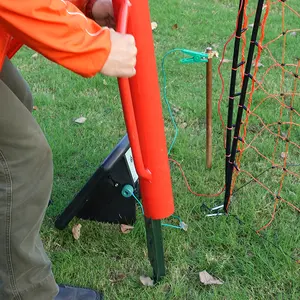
<point>60,31</point>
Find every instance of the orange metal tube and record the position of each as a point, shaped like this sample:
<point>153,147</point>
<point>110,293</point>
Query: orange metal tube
<point>145,94</point>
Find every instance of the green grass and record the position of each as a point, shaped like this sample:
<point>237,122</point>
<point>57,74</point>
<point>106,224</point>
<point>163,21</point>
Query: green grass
<point>251,267</point>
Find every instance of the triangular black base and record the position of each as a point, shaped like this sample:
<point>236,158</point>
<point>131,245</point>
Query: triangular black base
<point>101,198</point>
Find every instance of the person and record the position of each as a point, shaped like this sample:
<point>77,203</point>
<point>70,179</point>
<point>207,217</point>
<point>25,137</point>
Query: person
<point>76,35</point>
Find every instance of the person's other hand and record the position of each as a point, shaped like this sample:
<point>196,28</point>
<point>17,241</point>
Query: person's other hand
<point>122,58</point>
<point>103,13</point>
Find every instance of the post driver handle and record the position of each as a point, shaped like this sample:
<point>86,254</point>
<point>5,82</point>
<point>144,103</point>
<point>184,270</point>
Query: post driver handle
<point>122,13</point>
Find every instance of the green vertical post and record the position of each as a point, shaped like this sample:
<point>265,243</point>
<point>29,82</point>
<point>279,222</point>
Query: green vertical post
<point>155,248</point>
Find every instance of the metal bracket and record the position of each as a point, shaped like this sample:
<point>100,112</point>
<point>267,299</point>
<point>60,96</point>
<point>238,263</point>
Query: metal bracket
<point>216,211</point>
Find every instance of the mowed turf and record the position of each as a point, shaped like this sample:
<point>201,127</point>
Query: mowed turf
<point>103,258</point>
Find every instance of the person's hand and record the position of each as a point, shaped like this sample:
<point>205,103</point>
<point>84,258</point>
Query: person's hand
<point>122,58</point>
<point>103,13</point>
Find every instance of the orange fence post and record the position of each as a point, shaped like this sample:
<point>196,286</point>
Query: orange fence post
<point>143,112</point>
<point>143,116</point>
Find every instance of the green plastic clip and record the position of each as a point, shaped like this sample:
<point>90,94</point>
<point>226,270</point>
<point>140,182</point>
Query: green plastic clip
<point>127,191</point>
<point>196,57</point>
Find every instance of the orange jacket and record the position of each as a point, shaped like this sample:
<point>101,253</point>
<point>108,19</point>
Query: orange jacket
<point>57,29</point>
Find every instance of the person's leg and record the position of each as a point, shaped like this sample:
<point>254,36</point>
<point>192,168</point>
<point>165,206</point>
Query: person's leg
<point>14,80</point>
<point>25,187</point>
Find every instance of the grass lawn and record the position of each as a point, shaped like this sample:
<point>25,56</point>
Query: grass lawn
<point>250,266</point>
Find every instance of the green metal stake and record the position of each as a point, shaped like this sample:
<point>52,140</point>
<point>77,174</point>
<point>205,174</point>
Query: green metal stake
<point>155,248</point>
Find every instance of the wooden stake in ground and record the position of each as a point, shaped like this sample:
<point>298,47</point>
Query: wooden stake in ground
<point>209,110</point>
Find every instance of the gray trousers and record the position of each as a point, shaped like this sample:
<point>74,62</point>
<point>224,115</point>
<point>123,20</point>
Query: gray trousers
<point>26,174</point>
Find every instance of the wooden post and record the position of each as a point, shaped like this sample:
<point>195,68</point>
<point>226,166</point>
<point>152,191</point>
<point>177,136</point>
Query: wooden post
<point>209,110</point>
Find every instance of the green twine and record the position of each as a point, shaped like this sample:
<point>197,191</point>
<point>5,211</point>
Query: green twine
<point>139,202</point>
<point>174,124</point>
<point>163,224</point>
<point>165,95</point>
